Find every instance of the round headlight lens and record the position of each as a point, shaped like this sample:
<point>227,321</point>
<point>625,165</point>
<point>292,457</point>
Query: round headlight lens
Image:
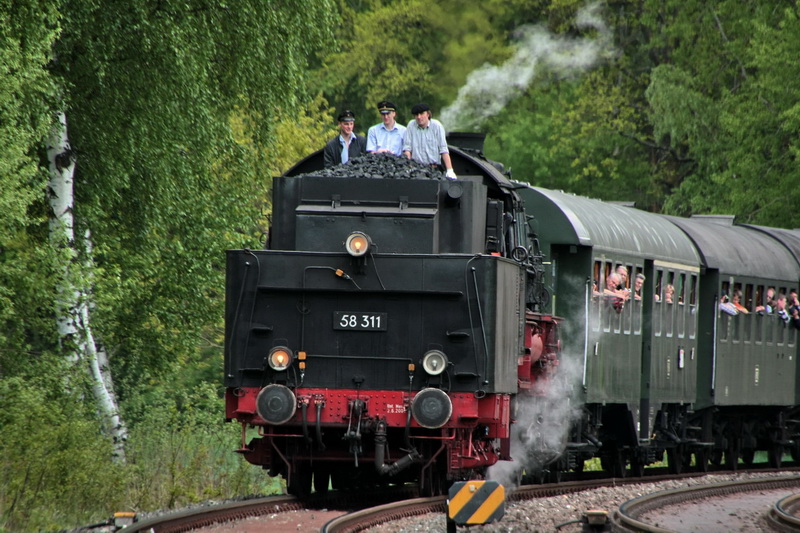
<point>434,362</point>
<point>280,358</point>
<point>357,244</point>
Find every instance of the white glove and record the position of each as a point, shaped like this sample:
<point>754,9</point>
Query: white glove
<point>450,174</point>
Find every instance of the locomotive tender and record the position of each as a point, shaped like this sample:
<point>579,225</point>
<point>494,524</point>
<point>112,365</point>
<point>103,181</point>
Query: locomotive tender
<point>395,320</point>
<point>384,334</point>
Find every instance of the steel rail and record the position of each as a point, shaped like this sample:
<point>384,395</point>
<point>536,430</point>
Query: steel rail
<point>783,515</point>
<point>195,518</point>
<point>628,518</point>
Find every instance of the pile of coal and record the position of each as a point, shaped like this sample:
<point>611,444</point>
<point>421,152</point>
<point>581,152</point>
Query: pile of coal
<point>373,165</point>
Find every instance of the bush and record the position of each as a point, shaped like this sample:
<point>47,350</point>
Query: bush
<point>57,471</point>
<point>55,467</point>
<point>182,452</point>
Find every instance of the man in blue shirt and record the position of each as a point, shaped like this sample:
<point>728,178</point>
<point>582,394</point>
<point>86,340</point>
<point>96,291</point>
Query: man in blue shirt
<point>386,137</point>
<point>347,145</point>
<point>425,141</point>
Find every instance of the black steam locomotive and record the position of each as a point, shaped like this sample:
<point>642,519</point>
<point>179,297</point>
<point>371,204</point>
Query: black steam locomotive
<point>400,326</point>
<point>384,334</point>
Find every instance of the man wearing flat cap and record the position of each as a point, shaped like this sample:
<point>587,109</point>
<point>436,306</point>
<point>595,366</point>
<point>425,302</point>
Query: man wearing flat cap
<point>347,145</point>
<point>425,141</point>
<point>388,136</point>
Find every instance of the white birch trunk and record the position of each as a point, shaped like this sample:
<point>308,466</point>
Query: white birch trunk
<point>73,303</point>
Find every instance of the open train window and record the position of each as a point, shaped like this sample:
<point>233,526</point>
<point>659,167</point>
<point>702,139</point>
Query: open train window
<point>734,297</point>
<point>657,322</point>
<point>669,308</point>
<point>596,296</point>
<point>680,299</point>
<point>613,313</point>
<point>692,328</point>
<point>636,300</point>
<point>748,297</point>
<point>745,296</point>
<point>758,316</point>
<point>723,317</point>
<point>791,331</point>
<point>628,310</point>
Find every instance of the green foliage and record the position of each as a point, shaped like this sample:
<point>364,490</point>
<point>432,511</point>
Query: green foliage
<point>27,32</point>
<point>162,182</point>
<point>181,452</point>
<point>165,186</point>
<point>55,467</point>
<point>411,51</point>
<point>299,136</point>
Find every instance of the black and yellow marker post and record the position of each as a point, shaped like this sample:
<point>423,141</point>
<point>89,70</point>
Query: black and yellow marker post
<point>474,502</point>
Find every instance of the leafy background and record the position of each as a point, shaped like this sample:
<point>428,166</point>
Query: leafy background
<point>180,113</point>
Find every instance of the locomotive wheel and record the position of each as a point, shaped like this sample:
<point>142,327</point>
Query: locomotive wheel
<point>300,482</point>
<point>732,458</point>
<point>716,457</point>
<point>614,463</point>
<point>795,451</point>
<point>701,460</point>
<point>322,478</point>
<point>775,455</point>
<point>675,460</point>
<point>748,455</point>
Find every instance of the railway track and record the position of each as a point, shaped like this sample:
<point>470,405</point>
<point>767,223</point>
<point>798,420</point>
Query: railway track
<point>192,519</point>
<point>783,516</point>
<point>228,512</point>
<point>632,515</point>
<point>367,518</point>
<point>375,508</point>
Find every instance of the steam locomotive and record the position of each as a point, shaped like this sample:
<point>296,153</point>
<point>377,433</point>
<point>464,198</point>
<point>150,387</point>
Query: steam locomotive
<point>400,328</point>
<point>385,333</point>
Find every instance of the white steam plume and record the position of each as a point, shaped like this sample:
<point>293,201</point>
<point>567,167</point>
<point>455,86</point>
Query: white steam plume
<point>540,433</point>
<point>543,423</point>
<point>490,88</point>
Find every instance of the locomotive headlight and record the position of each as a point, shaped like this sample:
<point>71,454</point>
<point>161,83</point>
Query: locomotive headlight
<point>279,358</point>
<point>434,362</point>
<point>357,243</point>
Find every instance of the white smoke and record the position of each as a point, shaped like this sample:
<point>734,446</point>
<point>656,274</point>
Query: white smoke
<point>490,88</point>
<point>542,427</point>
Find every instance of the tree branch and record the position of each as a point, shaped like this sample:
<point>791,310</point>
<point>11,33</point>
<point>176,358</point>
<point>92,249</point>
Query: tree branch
<point>658,147</point>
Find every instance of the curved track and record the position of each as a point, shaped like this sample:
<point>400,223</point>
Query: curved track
<point>195,518</point>
<point>784,515</point>
<point>631,515</point>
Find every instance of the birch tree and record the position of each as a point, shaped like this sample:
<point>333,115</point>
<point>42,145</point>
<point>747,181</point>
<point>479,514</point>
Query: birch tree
<point>73,292</point>
<point>148,186</point>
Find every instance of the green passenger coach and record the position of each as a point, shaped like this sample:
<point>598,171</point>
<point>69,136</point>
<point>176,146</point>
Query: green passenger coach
<point>636,365</point>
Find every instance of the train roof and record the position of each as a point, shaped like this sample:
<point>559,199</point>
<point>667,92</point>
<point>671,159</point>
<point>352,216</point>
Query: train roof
<point>790,238</point>
<point>739,250</point>
<point>611,227</point>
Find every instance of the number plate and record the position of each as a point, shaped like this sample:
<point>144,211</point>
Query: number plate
<point>350,321</point>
